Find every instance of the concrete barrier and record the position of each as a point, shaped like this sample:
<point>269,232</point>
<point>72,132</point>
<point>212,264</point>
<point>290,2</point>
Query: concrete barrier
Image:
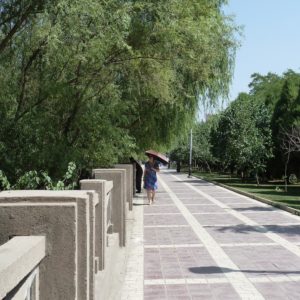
<point>119,210</point>
<point>19,271</point>
<point>103,216</point>
<point>129,182</point>
<point>67,220</point>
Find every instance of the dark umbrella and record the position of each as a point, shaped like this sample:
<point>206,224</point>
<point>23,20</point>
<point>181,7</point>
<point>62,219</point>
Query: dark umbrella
<point>158,156</point>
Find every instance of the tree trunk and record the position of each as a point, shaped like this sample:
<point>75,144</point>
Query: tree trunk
<point>208,167</point>
<point>257,178</point>
<point>285,171</point>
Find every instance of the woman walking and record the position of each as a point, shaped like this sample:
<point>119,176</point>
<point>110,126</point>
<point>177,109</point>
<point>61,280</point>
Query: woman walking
<point>150,178</point>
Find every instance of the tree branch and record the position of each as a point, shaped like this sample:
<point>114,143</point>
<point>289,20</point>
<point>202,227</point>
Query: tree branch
<point>16,27</point>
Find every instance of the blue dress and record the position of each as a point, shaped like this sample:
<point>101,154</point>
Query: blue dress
<point>150,177</point>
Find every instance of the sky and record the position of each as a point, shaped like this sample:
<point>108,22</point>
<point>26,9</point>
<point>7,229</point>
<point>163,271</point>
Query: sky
<point>270,41</point>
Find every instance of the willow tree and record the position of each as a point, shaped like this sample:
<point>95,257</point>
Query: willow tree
<point>94,81</point>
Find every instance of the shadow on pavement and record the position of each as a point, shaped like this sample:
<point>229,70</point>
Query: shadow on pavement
<point>218,270</point>
<point>255,208</point>
<point>289,229</point>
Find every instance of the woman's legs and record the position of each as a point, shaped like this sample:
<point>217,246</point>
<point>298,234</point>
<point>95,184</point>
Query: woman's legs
<point>149,196</point>
<point>152,196</point>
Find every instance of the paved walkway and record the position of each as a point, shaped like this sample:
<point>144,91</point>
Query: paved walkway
<point>201,241</point>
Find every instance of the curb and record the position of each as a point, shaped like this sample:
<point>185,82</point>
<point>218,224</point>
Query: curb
<point>261,199</point>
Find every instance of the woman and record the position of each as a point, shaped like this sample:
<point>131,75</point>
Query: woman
<point>150,178</point>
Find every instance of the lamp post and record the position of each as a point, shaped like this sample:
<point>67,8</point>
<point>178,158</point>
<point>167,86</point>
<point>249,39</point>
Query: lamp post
<point>191,150</point>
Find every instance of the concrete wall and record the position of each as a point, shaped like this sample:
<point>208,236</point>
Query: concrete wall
<point>119,211</point>
<point>103,188</point>
<point>85,234</point>
<point>129,182</point>
<point>67,220</point>
<point>19,258</point>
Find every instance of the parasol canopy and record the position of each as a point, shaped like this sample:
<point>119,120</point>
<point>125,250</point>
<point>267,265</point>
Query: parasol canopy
<point>158,156</point>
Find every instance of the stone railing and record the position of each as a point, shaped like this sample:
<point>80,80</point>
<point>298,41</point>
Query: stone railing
<point>83,232</point>
<point>20,258</point>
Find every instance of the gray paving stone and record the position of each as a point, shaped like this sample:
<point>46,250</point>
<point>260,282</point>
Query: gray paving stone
<point>279,291</point>
<point>160,209</point>
<point>272,218</point>
<point>217,220</point>
<point>237,234</point>
<point>164,220</point>
<point>169,236</point>
<point>265,260</point>
<point>205,209</point>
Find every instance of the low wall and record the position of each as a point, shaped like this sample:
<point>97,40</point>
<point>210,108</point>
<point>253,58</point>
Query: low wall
<point>19,266</point>
<point>66,218</point>
<point>68,241</point>
<point>119,192</point>
<point>103,216</point>
<point>130,183</point>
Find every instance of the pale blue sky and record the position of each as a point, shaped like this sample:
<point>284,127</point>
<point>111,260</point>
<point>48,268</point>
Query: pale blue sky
<point>271,39</point>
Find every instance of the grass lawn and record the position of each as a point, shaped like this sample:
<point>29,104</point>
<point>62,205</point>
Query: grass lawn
<point>268,191</point>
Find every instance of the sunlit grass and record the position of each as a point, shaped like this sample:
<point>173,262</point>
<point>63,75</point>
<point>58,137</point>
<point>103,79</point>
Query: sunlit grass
<point>270,191</point>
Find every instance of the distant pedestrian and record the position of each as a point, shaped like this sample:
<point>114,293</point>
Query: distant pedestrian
<point>150,178</point>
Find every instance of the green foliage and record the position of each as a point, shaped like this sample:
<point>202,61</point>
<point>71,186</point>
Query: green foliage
<point>30,181</point>
<point>96,81</point>
<point>33,180</point>
<point>4,183</point>
<point>243,138</point>
<point>202,143</point>
<point>180,153</point>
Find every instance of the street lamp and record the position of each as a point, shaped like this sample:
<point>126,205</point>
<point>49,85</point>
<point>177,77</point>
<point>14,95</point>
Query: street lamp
<point>191,150</point>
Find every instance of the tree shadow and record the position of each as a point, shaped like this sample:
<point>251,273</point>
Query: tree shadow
<point>291,230</point>
<point>219,270</point>
<point>255,208</point>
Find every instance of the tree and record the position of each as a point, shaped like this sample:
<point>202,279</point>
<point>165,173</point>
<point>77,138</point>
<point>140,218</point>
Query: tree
<point>286,115</point>
<point>95,82</point>
<point>202,144</point>
<point>243,136</point>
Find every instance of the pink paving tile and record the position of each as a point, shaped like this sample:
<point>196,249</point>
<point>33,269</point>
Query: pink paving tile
<point>264,260</point>
<point>162,201</point>
<point>279,291</point>
<point>170,236</point>
<point>154,292</point>
<point>205,209</point>
<point>233,199</point>
<point>178,263</point>
<point>178,291</point>
<point>164,220</point>
<point>218,291</point>
<point>252,207</point>
<point>195,200</point>
<point>271,218</point>
<point>237,234</point>
<point>290,232</point>
<point>215,220</point>
<point>160,209</point>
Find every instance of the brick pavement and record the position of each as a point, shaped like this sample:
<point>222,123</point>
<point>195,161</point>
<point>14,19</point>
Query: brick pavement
<point>201,241</point>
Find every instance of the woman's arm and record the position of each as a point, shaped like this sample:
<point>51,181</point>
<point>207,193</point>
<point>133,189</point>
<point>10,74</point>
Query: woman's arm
<point>156,167</point>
